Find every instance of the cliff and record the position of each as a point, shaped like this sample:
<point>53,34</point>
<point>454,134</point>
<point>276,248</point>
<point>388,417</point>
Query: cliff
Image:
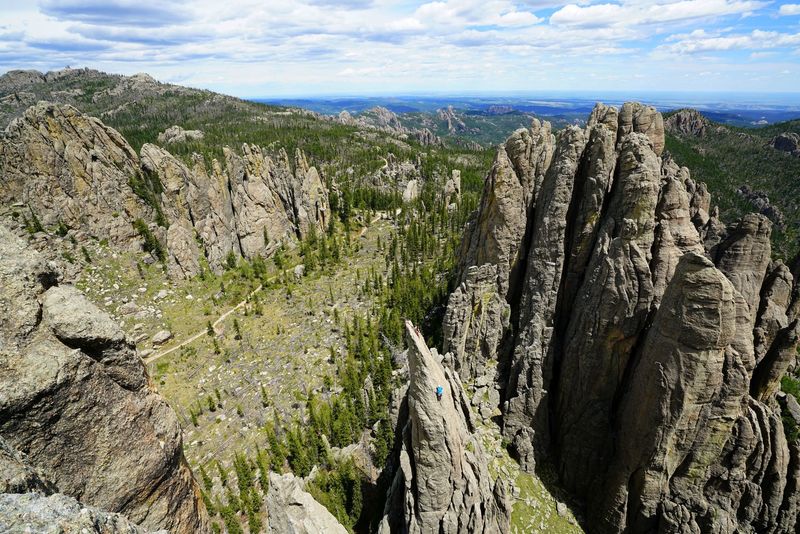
<point>632,340</point>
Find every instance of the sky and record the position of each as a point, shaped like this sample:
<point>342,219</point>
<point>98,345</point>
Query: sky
<point>267,48</point>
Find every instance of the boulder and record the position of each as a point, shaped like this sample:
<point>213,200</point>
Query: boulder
<point>76,399</point>
<point>292,510</point>
<point>162,336</point>
<point>176,134</point>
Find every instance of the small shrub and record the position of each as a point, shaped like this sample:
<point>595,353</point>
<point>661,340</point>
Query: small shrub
<point>62,229</point>
<point>151,242</point>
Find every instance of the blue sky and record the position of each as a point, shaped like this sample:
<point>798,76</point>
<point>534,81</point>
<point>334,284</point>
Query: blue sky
<point>267,48</point>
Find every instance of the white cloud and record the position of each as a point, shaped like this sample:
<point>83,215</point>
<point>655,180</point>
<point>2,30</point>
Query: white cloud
<point>632,13</point>
<point>756,40</point>
<point>789,9</point>
<point>252,47</point>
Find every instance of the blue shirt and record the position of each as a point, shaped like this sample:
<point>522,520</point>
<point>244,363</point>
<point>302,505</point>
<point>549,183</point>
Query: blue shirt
<point>439,390</point>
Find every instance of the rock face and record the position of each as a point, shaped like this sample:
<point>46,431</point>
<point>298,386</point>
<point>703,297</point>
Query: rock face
<point>441,483</point>
<point>29,502</point>
<point>627,336</point>
<point>292,510</point>
<point>77,401</point>
<point>176,134</point>
<point>69,168</point>
<point>687,122</point>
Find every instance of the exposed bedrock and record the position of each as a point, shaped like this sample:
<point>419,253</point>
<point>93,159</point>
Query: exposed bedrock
<point>76,400</point>
<point>65,169</point>
<point>636,342</point>
<point>441,481</point>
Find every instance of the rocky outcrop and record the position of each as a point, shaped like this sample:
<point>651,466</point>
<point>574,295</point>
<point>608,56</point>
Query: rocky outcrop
<point>30,502</point>
<point>452,187</point>
<point>786,142</point>
<point>635,117</point>
<point>77,401</point>
<point>403,177</point>
<point>67,168</point>
<point>34,512</point>
<point>15,80</point>
<point>384,120</point>
<point>176,134</point>
<point>412,191</point>
<point>626,334</point>
<point>760,202</point>
<point>425,137</point>
<point>441,482</point>
<point>452,121</point>
<point>292,510</point>
<point>689,122</point>
<point>245,208</point>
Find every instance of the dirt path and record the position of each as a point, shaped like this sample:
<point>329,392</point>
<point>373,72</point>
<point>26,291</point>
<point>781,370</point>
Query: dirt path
<point>204,332</point>
<point>201,333</point>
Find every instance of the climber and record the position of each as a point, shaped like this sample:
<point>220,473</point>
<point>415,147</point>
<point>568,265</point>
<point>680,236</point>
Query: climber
<point>439,392</point>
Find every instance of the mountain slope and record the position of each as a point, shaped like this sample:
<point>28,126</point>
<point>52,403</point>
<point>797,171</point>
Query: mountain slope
<point>728,158</point>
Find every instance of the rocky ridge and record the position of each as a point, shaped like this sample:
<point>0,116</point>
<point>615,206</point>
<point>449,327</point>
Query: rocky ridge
<point>110,442</point>
<point>385,120</point>
<point>64,168</point>
<point>599,293</point>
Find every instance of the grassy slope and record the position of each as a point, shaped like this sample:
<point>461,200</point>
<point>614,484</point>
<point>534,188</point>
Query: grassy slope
<point>286,348</point>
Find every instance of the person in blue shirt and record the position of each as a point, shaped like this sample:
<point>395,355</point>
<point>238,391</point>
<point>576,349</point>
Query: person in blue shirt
<point>439,392</point>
